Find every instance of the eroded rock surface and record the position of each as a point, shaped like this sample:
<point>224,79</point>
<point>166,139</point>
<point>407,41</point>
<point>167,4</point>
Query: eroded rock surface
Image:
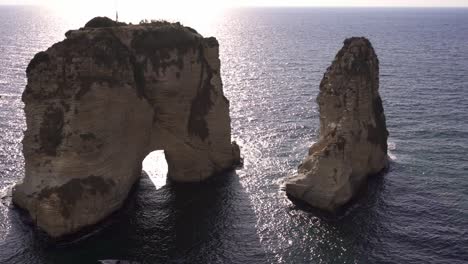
<point>353,136</point>
<point>98,102</point>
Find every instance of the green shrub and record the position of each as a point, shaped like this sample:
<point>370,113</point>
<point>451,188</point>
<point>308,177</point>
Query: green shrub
<point>102,22</point>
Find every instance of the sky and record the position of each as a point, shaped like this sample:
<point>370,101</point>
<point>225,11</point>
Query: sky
<point>225,3</point>
<point>202,13</point>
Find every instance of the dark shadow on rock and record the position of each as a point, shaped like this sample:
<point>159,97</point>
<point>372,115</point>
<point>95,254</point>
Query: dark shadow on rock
<point>209,222</point>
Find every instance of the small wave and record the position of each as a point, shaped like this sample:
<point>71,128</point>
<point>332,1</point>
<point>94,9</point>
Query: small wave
<point>391,148</point>
<point>5,196</point>
<point>5,191</point>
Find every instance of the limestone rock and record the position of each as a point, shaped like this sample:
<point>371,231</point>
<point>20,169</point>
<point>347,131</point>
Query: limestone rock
<point>352,142</point>
<point>98,102</point>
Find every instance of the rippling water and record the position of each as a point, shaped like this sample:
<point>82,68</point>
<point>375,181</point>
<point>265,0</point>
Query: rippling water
<point>272,63</point>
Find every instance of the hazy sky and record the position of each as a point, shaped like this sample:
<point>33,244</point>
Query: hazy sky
<point>200,13</point>
<point>426,3</point>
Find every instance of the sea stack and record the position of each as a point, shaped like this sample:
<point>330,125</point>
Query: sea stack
<point>98,102</point>
<point>352,142</point>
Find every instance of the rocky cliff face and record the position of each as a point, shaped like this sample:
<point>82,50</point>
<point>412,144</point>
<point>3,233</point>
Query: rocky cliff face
<point>98,102</point>
<point>353,136</point>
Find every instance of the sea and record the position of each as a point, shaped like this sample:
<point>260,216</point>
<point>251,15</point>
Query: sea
<point>272,62</point>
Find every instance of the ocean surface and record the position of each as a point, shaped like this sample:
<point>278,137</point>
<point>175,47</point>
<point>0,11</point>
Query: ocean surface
<point>272,64</point>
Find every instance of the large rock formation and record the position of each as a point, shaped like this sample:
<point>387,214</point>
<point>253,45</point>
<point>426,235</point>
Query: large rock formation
<point>98,102</point>
<point>353,136</point>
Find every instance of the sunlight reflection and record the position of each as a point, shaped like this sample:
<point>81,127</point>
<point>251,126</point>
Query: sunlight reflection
<point>155,166</point>
<point>5,224</point>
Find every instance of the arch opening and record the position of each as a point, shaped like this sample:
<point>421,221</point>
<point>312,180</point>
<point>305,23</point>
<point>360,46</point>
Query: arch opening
<point>155,165</point>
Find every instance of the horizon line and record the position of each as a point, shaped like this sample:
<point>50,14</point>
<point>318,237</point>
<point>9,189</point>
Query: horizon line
<point>295,6</point>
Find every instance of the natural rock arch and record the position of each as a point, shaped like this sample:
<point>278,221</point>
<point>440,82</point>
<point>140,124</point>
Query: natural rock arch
<point>98,102</point>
